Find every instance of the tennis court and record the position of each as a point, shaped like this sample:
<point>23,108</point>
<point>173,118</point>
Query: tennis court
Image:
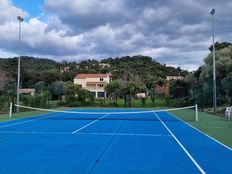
<point>108,141</point>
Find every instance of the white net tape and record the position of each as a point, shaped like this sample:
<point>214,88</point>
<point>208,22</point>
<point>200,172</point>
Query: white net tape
<point>111,113</point>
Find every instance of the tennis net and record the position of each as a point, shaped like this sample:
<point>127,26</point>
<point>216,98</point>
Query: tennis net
<point>172,114</point>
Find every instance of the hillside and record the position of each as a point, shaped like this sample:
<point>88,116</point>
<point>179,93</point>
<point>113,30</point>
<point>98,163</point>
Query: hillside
<point>140,68</point>
<point>136,68</point>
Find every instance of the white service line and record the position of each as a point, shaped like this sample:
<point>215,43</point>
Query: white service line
<point>182,146</point>
<point>88,133</point>
<point>83,127</point>
<point>124,134</point>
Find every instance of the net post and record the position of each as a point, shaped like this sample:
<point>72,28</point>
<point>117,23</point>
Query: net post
<point>10,112</point>
<point>196,110</point>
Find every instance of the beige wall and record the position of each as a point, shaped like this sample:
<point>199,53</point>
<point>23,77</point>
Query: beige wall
<point>93,87</point>
<point>81,82</point>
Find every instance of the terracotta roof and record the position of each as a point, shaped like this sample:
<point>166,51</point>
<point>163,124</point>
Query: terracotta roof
<point>83,76</point>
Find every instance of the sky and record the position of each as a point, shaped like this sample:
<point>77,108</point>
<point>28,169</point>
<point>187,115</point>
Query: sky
<point>174,32</point>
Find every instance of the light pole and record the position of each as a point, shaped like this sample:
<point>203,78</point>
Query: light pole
<point>214,67</point>
<point>18,82</point>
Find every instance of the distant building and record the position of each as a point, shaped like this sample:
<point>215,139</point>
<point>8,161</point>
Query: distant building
<point>64,69</point>
<point>94,83</point>
<point>30,91</point>
<point>141,95</point>
<point>104,65</point>
<point>169,78</point>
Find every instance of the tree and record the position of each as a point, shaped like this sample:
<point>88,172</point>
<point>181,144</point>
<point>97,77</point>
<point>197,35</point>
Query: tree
<point>220,46</point>
<point>57,89</point>
<point>113,90</point>
<point>75,95</point>
<point>39,87</point>
<point>178,89</point>
<point>129,90</point>
<point>227,86</point>
<point>71,94</point>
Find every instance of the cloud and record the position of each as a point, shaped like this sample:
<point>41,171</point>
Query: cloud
<point>7,54</point>
<point>175,32</point>
<point>8,12</point>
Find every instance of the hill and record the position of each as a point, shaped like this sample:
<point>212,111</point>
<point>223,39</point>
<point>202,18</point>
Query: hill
<point>141,69</point>
<point>136,68</point>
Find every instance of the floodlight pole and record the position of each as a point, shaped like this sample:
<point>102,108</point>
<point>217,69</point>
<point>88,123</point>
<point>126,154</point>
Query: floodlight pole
<point>214,67</point>
<point>19,51</point>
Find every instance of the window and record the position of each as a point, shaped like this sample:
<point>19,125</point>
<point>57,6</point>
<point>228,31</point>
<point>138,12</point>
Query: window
<point>101,94</point>
<point>101,85</point>
<point>101,79</point>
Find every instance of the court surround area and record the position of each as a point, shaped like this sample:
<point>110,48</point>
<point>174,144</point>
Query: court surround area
<point>109,141</point>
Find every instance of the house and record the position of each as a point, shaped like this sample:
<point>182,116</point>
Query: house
<point>104,65</point>
<point>141,95</point>
<point>30,91</point>
<point>169,78</point>
<point>64,69</point>
<point>94,83</point>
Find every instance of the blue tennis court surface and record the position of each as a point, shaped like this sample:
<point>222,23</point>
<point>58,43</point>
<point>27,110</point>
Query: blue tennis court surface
<point>60,143</point>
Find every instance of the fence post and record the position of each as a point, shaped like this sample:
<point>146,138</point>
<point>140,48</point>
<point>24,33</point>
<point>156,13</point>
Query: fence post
<point>196,109</point>
<point>10,113</point>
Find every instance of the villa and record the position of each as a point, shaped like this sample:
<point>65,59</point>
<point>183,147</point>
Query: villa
<point>94,83</point>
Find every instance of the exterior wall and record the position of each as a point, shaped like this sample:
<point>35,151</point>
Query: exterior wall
<point>141,95</point>
<point>27,91</point>
<point>168,78</point>
<point>95,87</point>
<point>81,82</point>
<point>94,84</point>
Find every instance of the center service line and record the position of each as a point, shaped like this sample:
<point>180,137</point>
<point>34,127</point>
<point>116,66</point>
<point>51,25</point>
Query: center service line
<point>87,125</point>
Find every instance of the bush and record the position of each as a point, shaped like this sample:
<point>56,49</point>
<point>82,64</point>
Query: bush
<point>41,100</point>
<point>143,101</point>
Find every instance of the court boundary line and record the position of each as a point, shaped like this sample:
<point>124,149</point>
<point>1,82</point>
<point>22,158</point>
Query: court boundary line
<point>21,122</point>
<point>27,120</point>
<point>227,147</point>
<point>87,125</point>
<point>33,116</point>
<point>86,133</point>
<point>182,146</point>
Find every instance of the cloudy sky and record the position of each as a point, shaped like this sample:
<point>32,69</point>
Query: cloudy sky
<point>174,32</point>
